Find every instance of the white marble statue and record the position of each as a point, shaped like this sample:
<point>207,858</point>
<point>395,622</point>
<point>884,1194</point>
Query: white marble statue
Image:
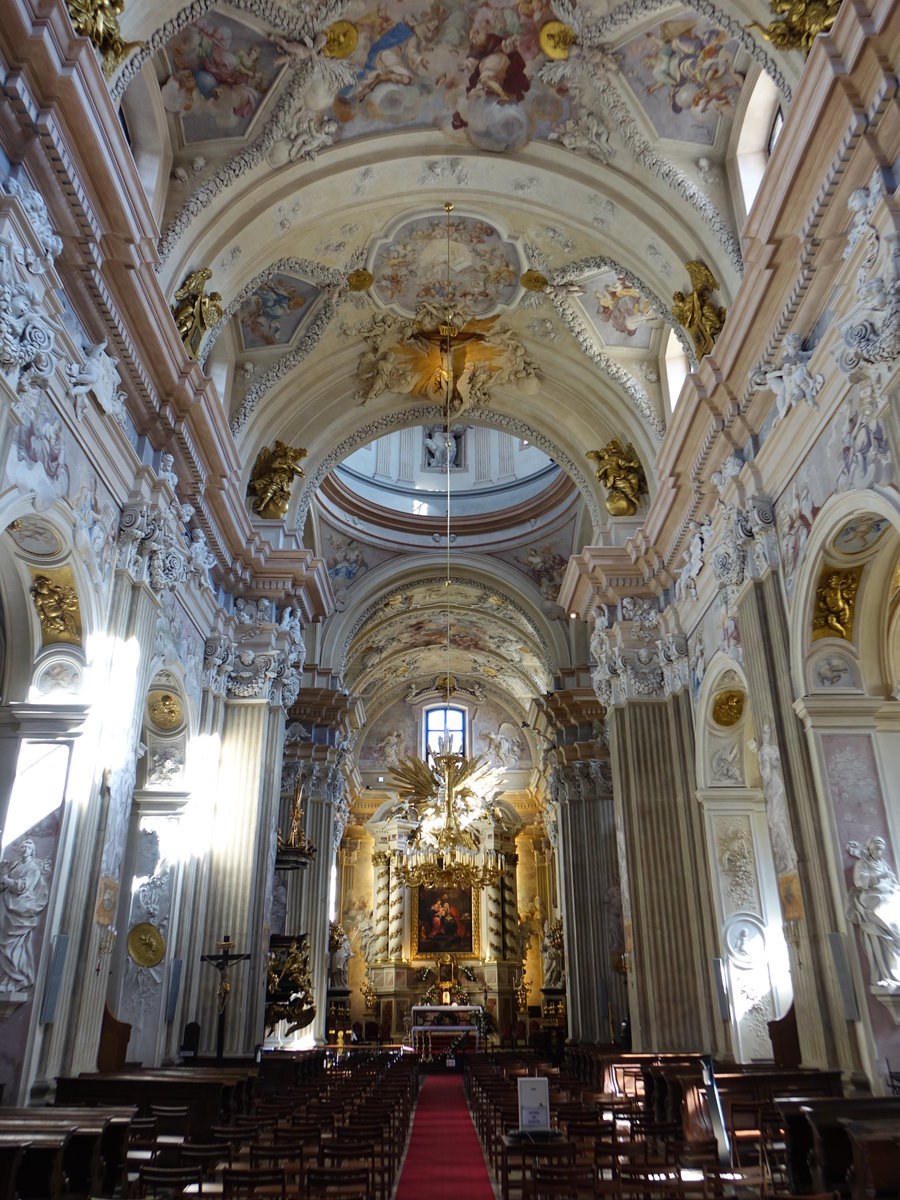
<point>552,958</point>
<point>791,381</point>
<point>873,904</point>
<point>24,893</point>
<point>776,801</point>
<point>339,965</point>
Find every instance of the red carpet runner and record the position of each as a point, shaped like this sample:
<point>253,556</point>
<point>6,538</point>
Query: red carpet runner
<point>444,1159</point>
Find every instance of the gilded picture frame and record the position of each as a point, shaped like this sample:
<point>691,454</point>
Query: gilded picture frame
<point>445,920</point>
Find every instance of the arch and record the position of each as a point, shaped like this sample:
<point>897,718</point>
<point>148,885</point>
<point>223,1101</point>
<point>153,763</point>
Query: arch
<point>871,654</point>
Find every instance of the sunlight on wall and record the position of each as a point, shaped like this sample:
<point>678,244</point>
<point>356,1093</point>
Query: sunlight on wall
<point>109,690</point>
<point>677,368</point>
<point>201,773</point>
<point>38,788</point>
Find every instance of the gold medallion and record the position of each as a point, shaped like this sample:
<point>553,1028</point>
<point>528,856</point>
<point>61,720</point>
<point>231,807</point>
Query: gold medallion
<point>555,39</point>
<point>361,280</point>
<point>340,39</point>
<point>727,708</point>
<point>145,944</point>
<point>533,281</point>
<point>164,710</point>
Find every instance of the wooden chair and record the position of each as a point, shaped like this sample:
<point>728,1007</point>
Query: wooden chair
<point>349,1155</point>
<point>254,1182</point>
<point>283,1156</point>
<point>565,1183</point>
<point>210,1157</point>
<point>338,1183</point>
<point>169,1181</point>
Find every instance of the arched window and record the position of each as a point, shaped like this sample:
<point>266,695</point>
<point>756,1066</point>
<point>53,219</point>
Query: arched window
<point>439,722</point>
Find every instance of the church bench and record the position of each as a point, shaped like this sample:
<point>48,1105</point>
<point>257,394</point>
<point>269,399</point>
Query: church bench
<point>39,1172</point>
<point>209,1095</point>
<point>96,1151</point>
<point>12,1147</point>
<point>876,1156</point>
<point>817,1147</point>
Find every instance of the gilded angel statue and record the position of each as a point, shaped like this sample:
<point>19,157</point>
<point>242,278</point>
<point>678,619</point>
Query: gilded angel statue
<point>273,474</point>
<point>620,471</point>
<point>194,312</point>
<point>696,312</point>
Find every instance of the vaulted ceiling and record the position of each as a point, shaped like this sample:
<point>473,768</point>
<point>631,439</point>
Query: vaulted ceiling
<point>305,153</point>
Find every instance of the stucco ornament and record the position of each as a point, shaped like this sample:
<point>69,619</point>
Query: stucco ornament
<point>790,381</point>
<point>97,376</point>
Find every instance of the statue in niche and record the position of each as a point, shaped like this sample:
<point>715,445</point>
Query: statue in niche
<point>24,893</point>
<point>769,757</point>
<point>553,955</point>
<point>339,957</point>
<point>392,747</point>
<point>871,904</point>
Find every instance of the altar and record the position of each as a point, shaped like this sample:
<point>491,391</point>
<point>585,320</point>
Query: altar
<point>430,1019</point>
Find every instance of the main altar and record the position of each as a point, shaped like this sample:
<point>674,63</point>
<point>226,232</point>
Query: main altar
<point>441,1019</point>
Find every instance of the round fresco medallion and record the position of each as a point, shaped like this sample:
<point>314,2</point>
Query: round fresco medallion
<point>145,944</point>
<point>35,538</point>
<point>860,534</point>
<point>164,710</point>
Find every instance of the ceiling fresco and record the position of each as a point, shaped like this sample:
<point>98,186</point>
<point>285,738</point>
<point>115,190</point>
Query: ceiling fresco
<point>683,75</point>
<point>220,72</point>
<point>275,311</point>
<point>414,266</point>
<point>405,639</point>
<point>618,311</point>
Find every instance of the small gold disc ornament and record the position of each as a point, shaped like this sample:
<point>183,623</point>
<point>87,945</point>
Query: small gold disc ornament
<point>340,39</point>
<point>145,944</point>
<point>165,710</point>
<point>728,708</point>
<point>533,281</point>
<point>360,280</point>
<point>555,39</point>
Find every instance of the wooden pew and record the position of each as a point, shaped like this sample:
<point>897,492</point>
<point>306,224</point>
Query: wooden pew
<point>95,1152</point>
<point>39,1174</point>
<point>876,1156</point>
<point>819,1152</point>
<point>212,1096</point>
<point>11,1150</point>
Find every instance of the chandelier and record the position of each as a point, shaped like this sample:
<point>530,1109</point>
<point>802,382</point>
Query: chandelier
<point>449,794</point>
<point>446,846</point>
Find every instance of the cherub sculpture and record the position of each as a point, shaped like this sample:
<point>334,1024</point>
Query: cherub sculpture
<point>194,312</point>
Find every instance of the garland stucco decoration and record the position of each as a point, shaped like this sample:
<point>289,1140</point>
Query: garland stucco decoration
<point>424,414</point>
<point>323,277</point>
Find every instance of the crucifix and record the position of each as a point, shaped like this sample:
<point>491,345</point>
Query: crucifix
<point>223,962</point>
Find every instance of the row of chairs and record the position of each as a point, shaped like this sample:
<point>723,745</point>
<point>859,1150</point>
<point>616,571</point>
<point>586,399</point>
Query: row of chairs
<point>338,1135</point>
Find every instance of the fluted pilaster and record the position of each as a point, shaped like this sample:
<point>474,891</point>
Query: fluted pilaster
<point>243,832</point>
<point>673,922</point>
<point>591,900</point>
<point>823,1029</point>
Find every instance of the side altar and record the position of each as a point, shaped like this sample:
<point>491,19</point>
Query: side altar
<point>429,1019</point>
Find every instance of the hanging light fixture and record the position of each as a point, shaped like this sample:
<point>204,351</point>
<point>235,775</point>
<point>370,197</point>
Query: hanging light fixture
<point>450,795</point>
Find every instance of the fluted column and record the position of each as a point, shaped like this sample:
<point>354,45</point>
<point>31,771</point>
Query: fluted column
<point>674,940</point>
<point>591,898</point>
<point>381,903</point>
<point>823,1029</point>
<point>242,845</point>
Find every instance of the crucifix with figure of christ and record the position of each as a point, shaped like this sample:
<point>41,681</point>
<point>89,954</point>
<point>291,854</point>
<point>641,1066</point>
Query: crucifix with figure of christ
<point>223,962</point>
